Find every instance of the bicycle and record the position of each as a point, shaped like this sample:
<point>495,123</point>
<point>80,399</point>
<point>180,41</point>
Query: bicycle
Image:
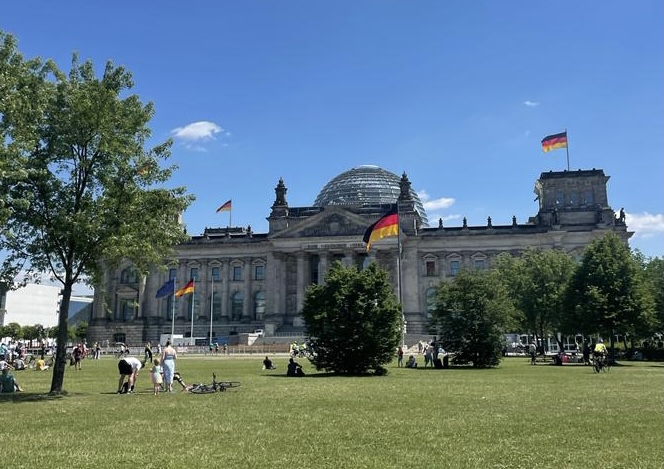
<point>600,363</point>
<point>216,386</point>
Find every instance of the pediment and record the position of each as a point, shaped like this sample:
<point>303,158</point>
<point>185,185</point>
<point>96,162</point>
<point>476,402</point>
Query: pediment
<point>333,221</point>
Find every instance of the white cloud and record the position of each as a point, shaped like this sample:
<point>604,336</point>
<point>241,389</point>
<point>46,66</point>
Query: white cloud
<point>531,103</point>
<point>435,204</point>
<point>645,224</point>
<point>197,131</point>
<point>438,204</point>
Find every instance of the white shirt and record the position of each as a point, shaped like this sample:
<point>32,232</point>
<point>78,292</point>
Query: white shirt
<point>134,362</point>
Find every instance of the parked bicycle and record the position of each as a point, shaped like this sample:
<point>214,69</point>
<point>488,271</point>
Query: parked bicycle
<point>216,386</point>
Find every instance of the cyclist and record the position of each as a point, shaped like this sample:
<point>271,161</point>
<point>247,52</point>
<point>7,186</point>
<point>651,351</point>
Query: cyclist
<point>600,352</point>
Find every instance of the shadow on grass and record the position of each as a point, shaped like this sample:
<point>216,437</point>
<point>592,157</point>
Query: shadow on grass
<point>30,397</point>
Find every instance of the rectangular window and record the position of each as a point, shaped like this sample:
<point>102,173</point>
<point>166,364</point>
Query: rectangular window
<point>172,273</point>
<point>573,198</point>
<point>480,264</point>
<point>430,268</point>
<point>560,198</point>
<point>237,273</point>
<point>454,268</point>
<point>313,271</point>
<point>588,198</point>
<point>216,274</point>
<point>259,272</point>
<point>193,273</point>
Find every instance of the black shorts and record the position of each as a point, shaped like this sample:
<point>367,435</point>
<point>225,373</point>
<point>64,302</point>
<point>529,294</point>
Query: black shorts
<point>124,368</point>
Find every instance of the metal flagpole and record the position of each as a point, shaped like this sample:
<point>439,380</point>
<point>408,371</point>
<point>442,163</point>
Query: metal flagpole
<point>211,308</point>
<point>399,294</point>
<point>567,148</point>
<point>175,282</point>
<point>191,333</point>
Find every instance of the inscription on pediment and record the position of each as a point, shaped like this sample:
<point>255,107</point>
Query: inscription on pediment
<point>334,225</point>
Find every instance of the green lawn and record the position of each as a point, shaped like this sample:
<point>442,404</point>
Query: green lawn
<point>515,416</point>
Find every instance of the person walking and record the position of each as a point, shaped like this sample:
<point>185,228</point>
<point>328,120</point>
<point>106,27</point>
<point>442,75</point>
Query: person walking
<point>168,357</point>
<point>400,357</point>
<point>147,353</point>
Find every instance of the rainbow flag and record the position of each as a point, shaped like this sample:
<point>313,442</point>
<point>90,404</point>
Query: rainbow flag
<point>188,288</point>
<point>387,225</point>
<point>225,207</point>
<point>553,142</point>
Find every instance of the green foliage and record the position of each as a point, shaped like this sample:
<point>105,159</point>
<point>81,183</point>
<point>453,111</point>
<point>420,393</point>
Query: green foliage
<point>79,190</point>
<point>536,281</point>
<point>471,314</point>
<point>13,330</point>
<point>607,294</point>
<point>654,278</point>
<point>81,330</point>
<point>354,320</point>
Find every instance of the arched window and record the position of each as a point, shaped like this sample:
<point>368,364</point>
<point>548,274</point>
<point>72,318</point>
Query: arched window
<point>119,337</point>
<point>237,305</point>
<point>129,275</point>
<point>259,305</point>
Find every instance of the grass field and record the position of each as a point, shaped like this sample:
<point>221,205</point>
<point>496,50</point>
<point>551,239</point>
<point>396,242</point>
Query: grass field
<point>514,416</point>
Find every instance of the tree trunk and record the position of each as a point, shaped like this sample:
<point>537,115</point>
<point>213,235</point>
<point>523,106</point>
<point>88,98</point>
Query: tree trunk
<point>62,339</point>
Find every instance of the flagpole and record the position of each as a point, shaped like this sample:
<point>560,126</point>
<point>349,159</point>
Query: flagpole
<point>399,295</point>
<point>211,308</point>
<point>567,148</point>
<point>175,282</point>
<point>191,333</point>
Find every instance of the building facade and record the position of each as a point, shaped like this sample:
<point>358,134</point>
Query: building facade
<point>246,281</point>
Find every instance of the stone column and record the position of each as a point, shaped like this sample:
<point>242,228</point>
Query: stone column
<point>247,306</point>
<point>225,294</point>
<point>301,279</point>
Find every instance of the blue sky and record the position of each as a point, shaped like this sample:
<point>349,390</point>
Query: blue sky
<point>456,94</point>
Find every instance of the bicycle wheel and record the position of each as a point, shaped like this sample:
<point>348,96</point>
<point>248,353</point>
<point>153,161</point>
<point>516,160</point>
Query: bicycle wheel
<point>202,389</point>
<point>228,384</point>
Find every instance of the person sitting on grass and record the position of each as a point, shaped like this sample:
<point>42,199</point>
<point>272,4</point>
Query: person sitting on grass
<point>178,377</point>
<point>411,363</point>
<point>268,365</point>
<point>294,369</point>
<point>8,383</point>
<point>40,365</point>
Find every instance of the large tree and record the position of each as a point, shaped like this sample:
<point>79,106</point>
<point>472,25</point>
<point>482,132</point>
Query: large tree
<point>354,320</point>
<point>79,188</point>
<point>472,313</point>
<point>607,294</point>
<point>537,280</point>
<point>654,276</point>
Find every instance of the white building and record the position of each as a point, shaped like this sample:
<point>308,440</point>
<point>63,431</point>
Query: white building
<point>38,304</point>
<point>31,305</point>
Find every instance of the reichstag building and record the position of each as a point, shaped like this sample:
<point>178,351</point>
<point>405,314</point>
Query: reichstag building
<point>246,280</point>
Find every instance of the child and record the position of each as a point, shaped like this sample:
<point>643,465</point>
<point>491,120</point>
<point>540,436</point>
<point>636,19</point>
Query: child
<point>156,374</point>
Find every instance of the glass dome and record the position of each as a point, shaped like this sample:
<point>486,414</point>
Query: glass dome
<point>365,185</point>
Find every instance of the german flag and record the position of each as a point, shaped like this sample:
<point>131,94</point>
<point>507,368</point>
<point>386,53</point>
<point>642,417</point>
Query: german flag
<point>225,206</point>
<point>188,288</point>
<point>553,142</point>
<point>387,225</point>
